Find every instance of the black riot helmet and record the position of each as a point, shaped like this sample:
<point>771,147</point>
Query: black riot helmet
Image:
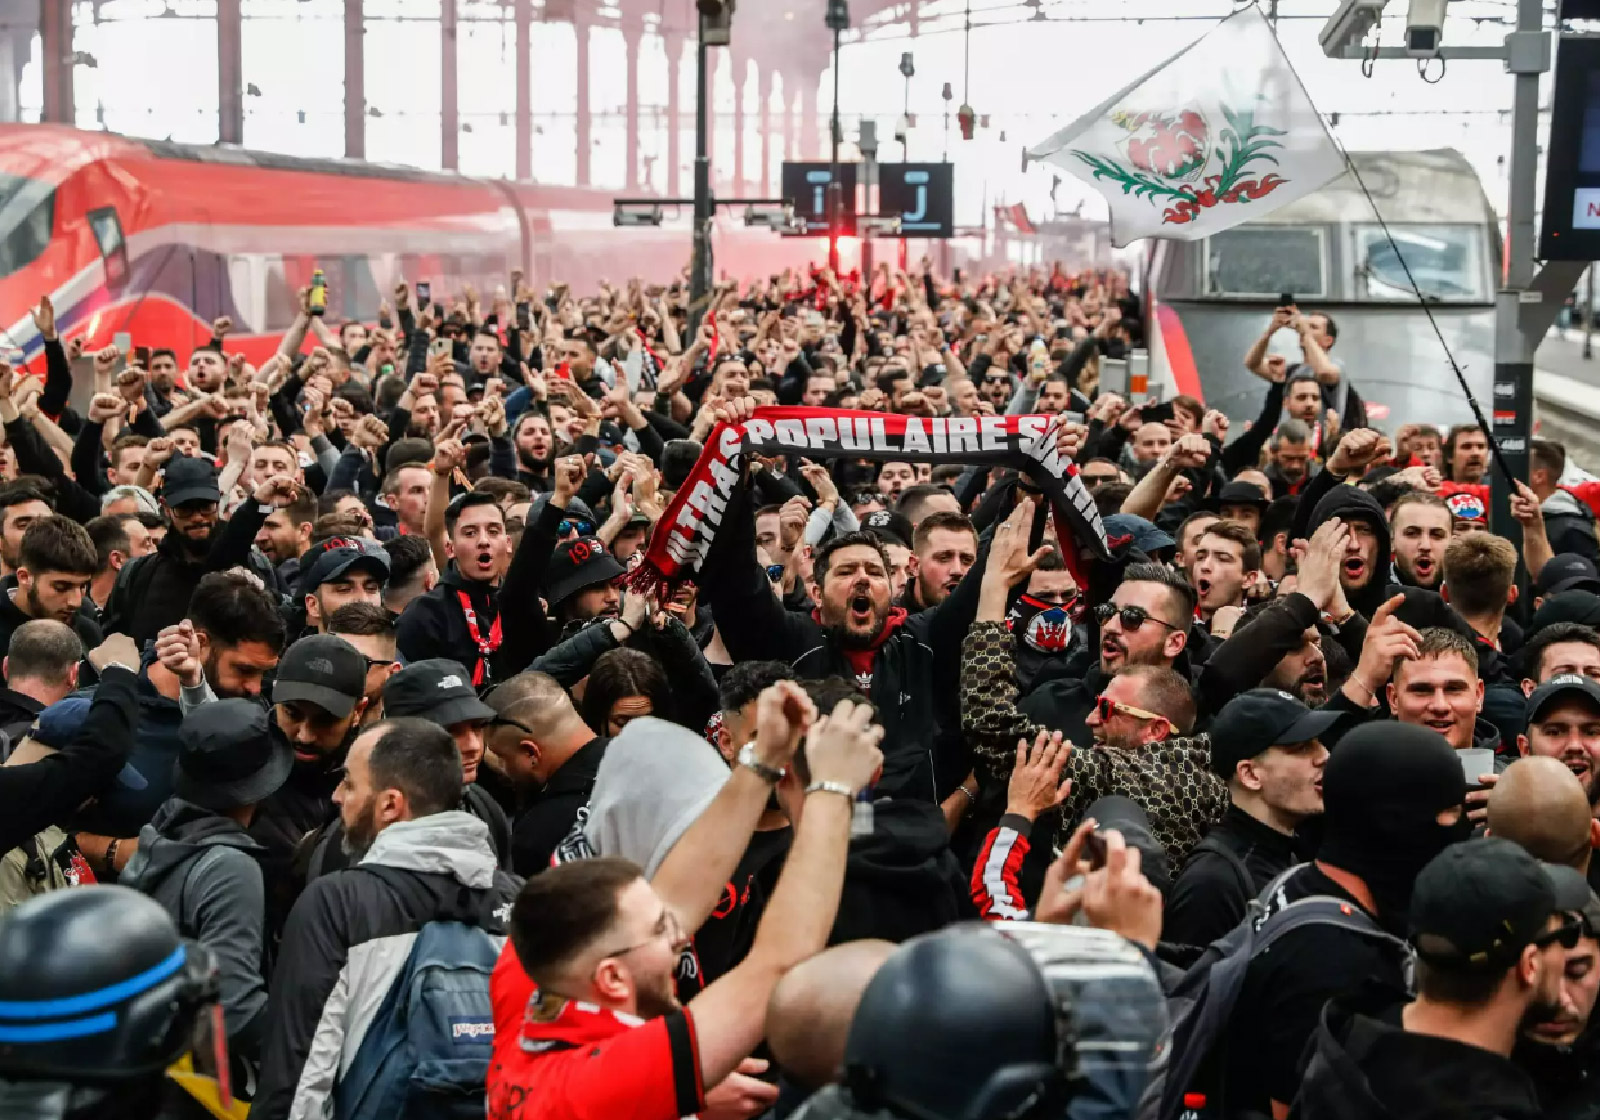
<point>98,996</point>
<point>958,1025</point>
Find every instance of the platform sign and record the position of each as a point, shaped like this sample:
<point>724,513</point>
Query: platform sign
<point>806,185</point>
<point>1571,219</point>
<point>921,195</point>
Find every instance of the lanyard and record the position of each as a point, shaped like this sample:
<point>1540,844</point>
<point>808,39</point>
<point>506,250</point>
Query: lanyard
<point>486,647</point>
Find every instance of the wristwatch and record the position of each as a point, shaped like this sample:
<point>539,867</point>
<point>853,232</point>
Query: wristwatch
<point>747,757</point>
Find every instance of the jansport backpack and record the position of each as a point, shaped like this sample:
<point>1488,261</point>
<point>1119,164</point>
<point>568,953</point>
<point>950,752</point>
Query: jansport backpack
<point>1201,1002</point>
<point>426,1054</point>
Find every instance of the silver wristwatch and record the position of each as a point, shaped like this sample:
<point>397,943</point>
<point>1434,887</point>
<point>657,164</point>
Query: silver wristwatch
<point>747,757</point>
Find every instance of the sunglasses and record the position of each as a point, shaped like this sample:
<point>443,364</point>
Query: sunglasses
<point>576,525</point>
<point>1105,708</point>
<point>1132,617</point>
<point>774,572</point>
<point>1096,479</point>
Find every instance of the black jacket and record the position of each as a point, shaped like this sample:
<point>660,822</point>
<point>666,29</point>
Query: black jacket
<point>902,879</point>
<point>549,815</point>
<point>1366,1068</point>
<point>1064,693</point>
<point>1211,893</point>
<point>153,591</point>
<point>912,673</point>
<point>17,713</point>
<point>1567,1077</point>
<point>39,794</point>
<point>1353,504</point>
<point>301,805</point>
<point>12,616</point>
<point>1569,525</point>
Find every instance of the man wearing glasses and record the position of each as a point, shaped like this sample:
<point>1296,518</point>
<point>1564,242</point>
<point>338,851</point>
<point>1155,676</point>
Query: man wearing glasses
<point>1491,932</point>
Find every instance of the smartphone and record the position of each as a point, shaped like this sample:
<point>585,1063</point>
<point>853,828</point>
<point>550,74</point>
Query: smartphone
<point>439,346</point>
<point>1286,299</point>
<point>319,292</point>
<point>141,356</point>
<point>123,341</point>
<point>1157,413</point>
<point>563,370</point>
<point>524,316</point>
<point>424,294</point>
<point>1094,850</point>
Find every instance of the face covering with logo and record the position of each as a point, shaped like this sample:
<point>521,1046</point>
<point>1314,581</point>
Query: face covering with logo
<point>1043,627</point>
<point>1382,792</point>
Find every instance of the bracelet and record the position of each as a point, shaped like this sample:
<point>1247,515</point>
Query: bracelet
<point>1363,684</point>
<point>831,787</point>
<point>111,857</point>
<point>971,797</point>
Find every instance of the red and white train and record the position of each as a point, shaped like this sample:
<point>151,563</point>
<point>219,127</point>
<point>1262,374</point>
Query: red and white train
<point>157,239</point>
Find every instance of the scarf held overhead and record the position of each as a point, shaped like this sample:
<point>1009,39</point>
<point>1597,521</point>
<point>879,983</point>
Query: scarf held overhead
<point>1024,443</point>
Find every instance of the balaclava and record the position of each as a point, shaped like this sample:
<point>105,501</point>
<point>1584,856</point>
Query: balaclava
<point>1382,792</point>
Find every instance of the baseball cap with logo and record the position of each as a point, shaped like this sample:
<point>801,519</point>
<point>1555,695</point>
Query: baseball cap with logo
<point>1478,904</point>
<point>1567,571</point>
<point>889,527</point>
<point>322,669</point>
<point>1562,687</point>
<point>436,689</point>
<point>1256,721</point>
<point>336,556</point>
<point>577,564</point>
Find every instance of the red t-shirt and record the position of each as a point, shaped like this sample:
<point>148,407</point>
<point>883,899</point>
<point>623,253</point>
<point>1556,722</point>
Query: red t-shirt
<point>560,1059</point>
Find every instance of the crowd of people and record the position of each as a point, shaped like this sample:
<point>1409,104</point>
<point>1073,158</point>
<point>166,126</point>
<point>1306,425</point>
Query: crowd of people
<point>381,739</point>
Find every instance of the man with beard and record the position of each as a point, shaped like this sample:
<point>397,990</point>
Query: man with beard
<point>1141,705</point>
<point>1564,724</point>
<point>349,936</point>
<point>1291,467</point>
<point>1562,1053</point>
<point>1466,452</point>
<point>1392,800</point>
<point>1268,747</point>
<point>151,592</point>
<point>908,665</point>
<point>944,548</point>
<point>286,533</point>
<point>1226,560</point>
<point>1491,932</point>
<point>1419,525</point>
<point>582,582</point>
<point>340,571</point>
<point>20,506</point>
<point>536,450</point>
<point>56,564</point>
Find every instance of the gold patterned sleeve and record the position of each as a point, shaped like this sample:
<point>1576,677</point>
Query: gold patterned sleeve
<point>990,718</point>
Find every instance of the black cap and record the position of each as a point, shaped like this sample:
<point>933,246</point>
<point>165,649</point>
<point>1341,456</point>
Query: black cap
<point>188,479</point>
<point>228,756</point>
<point>1148,537</point>
<point>437,689</point>
<point>1478,904</point>
<point>1567,571</point>
<point>1566,606</point>
<point>1573,895</point>
<point>1238,493</point>
<point>322,669</point>
<point>889,527</point>
<point>577,564</point>
<point>576,510</point>
<point>335,556</point>
<point>1255,721</point>
<point>1567,684</point>
<point>1114,811</point>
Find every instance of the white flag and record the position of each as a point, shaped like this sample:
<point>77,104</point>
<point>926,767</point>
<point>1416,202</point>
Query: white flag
<point>1220,133</point>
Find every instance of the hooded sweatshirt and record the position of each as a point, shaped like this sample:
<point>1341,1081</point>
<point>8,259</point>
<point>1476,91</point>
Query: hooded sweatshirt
<point>1372,1069</point>
<point>1353,504</point>
<point>1569,525</point>
<point>901,879</point>
<point>203,869</point>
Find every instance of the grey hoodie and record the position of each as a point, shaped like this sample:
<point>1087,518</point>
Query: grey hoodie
<point>202,867</point>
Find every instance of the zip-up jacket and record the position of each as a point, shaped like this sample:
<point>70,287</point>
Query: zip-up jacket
<point>347,940</point>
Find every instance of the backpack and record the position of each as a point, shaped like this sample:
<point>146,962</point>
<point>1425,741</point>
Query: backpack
<point>426,1053</point>
<point>1201,1002</point>
<point>46,861</point>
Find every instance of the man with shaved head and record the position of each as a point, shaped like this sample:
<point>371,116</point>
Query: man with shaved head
<point>549,755</point>
<point>1540,805</point>
<point>808,1017</point>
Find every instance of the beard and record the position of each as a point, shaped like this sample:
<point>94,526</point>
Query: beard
<point>658,998</point>
<point>534,464</point>
<point>358,837</point>
<point>839,620</point>
<point>37,609</point>
<point>1542,1010</point>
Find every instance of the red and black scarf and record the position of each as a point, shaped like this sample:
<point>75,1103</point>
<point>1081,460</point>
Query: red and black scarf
<point>1024,443</point>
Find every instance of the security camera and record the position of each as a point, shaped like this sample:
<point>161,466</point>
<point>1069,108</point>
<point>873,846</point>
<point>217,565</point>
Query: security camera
<point>1424,27</point>
<point>1349,25</point>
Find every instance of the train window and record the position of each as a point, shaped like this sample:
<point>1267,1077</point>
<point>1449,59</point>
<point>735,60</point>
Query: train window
<point>1262,261</point>
<point>1446,261</point>
<point>27,219</point>
<point>282,301</point>
<point>107,231</point>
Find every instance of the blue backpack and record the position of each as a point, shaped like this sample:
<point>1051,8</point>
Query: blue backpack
<point>426,1054</point>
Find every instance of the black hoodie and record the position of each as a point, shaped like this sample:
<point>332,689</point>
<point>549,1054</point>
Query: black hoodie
<point>1371,1069</point>
<point>902,879</point>
<point>1353,504</point>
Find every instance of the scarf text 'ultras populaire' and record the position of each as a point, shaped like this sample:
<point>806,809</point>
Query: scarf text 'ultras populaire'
<point>1025,443</point>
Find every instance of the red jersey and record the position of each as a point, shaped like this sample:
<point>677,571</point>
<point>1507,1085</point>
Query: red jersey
<point>560,1059</point>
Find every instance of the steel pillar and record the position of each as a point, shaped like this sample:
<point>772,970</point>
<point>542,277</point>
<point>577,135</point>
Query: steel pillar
<point>582,129</point>
<point>355,81</point>
<point>230,73</point>
<point>449,111</point>
<point>522,13</point>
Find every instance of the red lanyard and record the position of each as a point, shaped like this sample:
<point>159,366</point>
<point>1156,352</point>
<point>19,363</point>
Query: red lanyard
<point>486,647</point>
